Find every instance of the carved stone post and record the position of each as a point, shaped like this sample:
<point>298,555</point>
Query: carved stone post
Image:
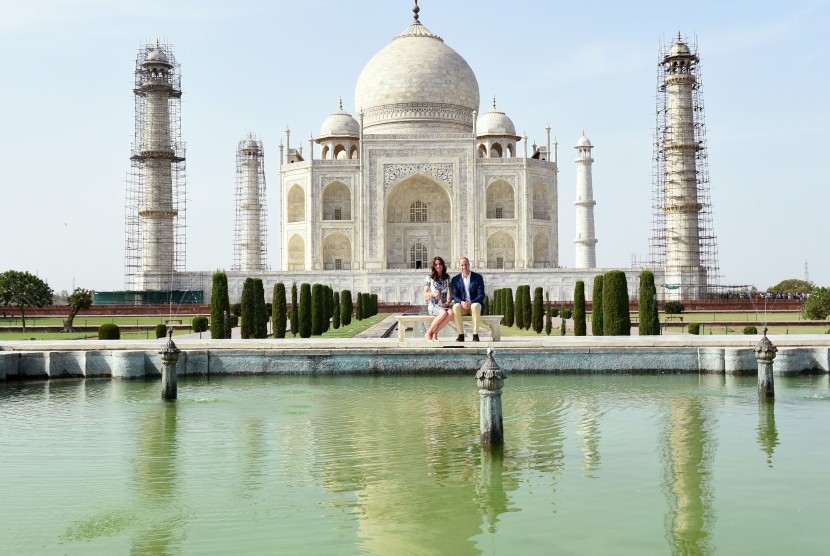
<point>169,359</point>
<point>765,354</point>
<point>490,379</point>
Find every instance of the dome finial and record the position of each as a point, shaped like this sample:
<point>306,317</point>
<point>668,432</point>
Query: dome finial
<point>494,102</point>
<point>415,10</point>
<point>341,103</point>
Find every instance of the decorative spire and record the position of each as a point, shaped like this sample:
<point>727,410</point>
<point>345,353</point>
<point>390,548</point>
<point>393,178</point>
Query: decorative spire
<point>415,10</point>
<point>494,102</point>
<point>341,103</point>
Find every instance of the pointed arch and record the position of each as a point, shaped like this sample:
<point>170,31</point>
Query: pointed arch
<point>296,253</point>
<point>337,252</point>
<point>295,208</point>
<point>501,250</point>
<point>337,201</point>
<point>501,200</point>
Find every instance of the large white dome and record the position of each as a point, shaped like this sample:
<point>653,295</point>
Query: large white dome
<point>417,81</point>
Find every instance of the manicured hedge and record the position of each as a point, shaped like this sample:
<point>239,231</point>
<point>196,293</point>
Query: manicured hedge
<point>109,331</point>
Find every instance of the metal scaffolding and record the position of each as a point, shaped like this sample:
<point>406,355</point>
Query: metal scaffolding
<point>250,252</point>
<point>155,200</point>
<point>668,142</point>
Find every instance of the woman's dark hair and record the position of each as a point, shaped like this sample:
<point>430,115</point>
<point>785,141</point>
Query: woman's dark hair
<point>435,274</point>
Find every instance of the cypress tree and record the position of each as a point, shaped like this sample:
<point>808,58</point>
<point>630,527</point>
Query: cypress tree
<point>518,308</point>
<point>220,307</point>
<point>527,310</point>
<point>616,320</point>
<point>548,315</point>
<point>260,310</point>
<point>295,311</point>
<point>335,314</point>
<point>305,310</point>
<point>563,324</point>
<point>538,316</point>
<point>280,311</point>
<point>248,310</point>
<point>649,324</point>
<point>508,307</point>
<point>318,309</point>
<point>596,309</point>
<point>346,307</point>
<point>358,314</point>
<point>580,327</point>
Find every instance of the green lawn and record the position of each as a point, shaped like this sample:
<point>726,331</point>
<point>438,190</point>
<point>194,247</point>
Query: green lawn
<point>82,320</point>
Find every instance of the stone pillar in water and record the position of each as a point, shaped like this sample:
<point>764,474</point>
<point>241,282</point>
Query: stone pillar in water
<point>169,359</point>
<point>765,354</point>
<point>490,379</point>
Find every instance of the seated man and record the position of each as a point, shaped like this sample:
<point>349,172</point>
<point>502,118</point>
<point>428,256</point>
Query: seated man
<point>468,295</point>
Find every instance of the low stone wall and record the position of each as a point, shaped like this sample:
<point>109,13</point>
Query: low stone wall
<point>141,363</point>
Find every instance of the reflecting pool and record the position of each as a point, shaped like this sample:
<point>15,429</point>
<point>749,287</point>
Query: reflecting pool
<point>392,465</point>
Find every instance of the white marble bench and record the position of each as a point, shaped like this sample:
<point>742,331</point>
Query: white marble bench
<point>493,322</point>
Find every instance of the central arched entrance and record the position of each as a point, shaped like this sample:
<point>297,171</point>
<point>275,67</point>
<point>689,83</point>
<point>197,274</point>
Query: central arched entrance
<point>418,223</point>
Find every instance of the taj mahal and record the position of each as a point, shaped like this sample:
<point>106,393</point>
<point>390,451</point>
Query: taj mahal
<point>420,169</point>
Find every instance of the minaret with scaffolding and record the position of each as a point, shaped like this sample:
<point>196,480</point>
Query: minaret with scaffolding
<point>683,242</point>
<point>586,254</point>
<point>250,231</point>
<point>155,197</point>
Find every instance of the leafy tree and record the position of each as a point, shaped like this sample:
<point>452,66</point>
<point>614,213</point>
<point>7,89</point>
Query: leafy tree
<point>596,309</point>
<point>792,286</point>
<point>358,314</point>
<point>548,315</point>
<point>220,307</point>
<point>305,310</point>
<point>79,300</point>
<point>649,324</point>
<point>280,316</point>
<point>346,307</point>
<point>295,310</point>
<point>199,324</point>
<point>518,308</point>
<point>817,306</point>
<point>673,307</point>
<point>22,290</point>
<point>580,326</point>
<point>537,313</point>
<point>616,320</point>
<point>527,314</point>
<point>563,323</point>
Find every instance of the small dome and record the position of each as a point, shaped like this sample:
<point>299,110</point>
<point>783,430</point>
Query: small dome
<point>583,142</point>
<point>680,49</point>
<point>495,122</point>
<point>340,124</point>
<point>250,144</point>
<point>156,55</point>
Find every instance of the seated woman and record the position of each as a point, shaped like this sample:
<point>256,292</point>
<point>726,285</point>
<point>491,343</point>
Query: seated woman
<point>438,297</point>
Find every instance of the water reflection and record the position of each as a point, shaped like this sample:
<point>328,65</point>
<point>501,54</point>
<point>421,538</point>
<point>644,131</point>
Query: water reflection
<point>162,530</point>
<point>490,494</point>
<point>767,432</point>
<point>688,451</point>
<point>588,431</point>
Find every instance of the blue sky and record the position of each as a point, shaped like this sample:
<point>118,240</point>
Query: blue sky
<point>66,114</point>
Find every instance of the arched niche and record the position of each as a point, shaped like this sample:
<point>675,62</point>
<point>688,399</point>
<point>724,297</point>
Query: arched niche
<point>501,251</point>
<point>496,150</point>
<point>353,154</point>
<point>541,250</point>
<point>337,201</point>
<point>296,204</point>
<point>339,152</point>
<point>482,151</point>
<point>337,252</point>
<point>541,201</point>
<point>418,210</point>
<point>296,253</point>
<point>511,150</point>
<point>325,154</point>
<point>501,200</point>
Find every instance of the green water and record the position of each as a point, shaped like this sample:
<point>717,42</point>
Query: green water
<point>620,465</point>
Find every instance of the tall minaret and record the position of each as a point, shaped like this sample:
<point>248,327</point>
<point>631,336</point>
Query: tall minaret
<point>586,255</point>
<point>681,205</point>
<point>155,189</point>
<point>250,254</point>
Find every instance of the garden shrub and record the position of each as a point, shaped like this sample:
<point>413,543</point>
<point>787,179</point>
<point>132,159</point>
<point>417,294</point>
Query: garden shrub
<point>596,307</point>
<point>219,307</point>
<point>199,324</point>
<point>161,330</point>
<point>580,326</point>
<point>694,328</point>
<point>616,320</point>
<point>537,313</point>
<point>673,307</point>
<point>649,324</point>
<point>109,331</point>
<point>750,330</point>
